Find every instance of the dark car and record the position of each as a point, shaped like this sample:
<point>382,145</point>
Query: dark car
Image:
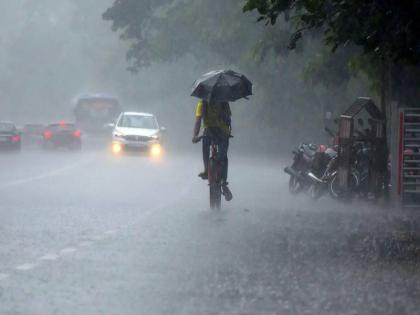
<point>10,138</point>
<point>63,135</point>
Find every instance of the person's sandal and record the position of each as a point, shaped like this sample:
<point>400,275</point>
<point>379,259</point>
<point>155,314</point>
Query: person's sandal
<point>226,192</point>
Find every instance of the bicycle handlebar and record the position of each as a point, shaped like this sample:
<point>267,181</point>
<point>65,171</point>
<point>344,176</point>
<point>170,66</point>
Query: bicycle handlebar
<point>199,138</point>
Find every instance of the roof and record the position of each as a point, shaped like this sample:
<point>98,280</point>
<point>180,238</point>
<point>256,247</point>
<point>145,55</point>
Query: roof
<point>61,123</point>
<point>138,114</point>
<point>364,103</point>
<point>97,96</point>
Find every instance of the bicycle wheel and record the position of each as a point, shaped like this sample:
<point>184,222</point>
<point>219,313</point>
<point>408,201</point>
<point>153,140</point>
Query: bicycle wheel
<point>215,196</point>
<point>215,189</point>
<point>336,192</point>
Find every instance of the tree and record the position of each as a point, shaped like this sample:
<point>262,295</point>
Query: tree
<point>385,28</point>
<point>387,31</point>
<point>164,30</point>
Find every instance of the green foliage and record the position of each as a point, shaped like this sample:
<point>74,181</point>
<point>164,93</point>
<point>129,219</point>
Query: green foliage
<point>384,28</point>
<point>165,30</point>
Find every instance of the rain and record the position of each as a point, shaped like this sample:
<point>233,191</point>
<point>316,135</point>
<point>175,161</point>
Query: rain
<point>209,157</point>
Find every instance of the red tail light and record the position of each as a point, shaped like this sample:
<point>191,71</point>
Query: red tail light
<point>77,133</point>
<point>48,134</point>
<point>16,138</point>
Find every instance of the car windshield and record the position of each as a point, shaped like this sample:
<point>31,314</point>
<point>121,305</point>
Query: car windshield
<point>138,121</point>
<point>5,127</point>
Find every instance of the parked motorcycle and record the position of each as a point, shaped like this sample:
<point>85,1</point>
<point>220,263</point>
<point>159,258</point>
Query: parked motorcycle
<point>302,163</point>
<point>324,167</point>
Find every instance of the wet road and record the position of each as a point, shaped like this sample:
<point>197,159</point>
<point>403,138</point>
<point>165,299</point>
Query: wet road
<point>87,233</point>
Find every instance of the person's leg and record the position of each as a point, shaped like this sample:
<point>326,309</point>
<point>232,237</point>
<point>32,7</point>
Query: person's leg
<point>223,155</point>
<point>206,156</point>
<point>223,158</point>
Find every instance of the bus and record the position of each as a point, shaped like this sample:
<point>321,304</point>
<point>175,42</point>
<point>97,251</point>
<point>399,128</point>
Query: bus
<point>94,112</point>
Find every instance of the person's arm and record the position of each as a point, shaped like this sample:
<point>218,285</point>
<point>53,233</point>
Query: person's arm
<point>197,124</point>
<point>229,119</point>
<point>196,130</point>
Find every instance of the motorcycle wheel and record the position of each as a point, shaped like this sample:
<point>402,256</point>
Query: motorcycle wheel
<point>316,191</point>
<point>295,186</point>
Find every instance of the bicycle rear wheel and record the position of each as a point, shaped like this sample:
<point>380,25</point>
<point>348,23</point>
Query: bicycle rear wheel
<point>215,196</point>
<point>215,188</point>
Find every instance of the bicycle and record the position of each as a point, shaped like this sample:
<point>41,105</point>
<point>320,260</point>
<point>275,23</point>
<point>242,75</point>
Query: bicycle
<point>214,169</point>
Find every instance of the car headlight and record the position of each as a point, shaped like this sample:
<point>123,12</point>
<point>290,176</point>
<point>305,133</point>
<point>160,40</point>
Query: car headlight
<point>116,147</point>
<point>155,137</point>
<point>156,150</point>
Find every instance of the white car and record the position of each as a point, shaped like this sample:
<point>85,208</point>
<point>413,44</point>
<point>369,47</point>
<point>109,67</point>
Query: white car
<point>137,132</point>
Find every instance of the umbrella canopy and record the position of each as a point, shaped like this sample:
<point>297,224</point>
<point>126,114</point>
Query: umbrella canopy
<point>222,86</point>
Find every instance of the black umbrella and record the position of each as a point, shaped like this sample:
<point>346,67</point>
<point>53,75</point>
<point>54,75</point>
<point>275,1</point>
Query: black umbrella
<point>222,86</point>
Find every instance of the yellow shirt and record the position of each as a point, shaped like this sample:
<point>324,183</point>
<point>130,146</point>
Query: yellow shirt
<point>216,117</point>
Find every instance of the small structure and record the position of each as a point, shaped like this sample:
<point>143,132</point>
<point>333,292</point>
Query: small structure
<point>376,137</point>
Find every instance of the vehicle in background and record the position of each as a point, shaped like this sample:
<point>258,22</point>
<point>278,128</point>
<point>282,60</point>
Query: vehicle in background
<point>303,159</point>
<point>10,138</point>
<point>94,112</point>
<point>62,135</point>
<point>137,132</point>
<point>32,134</point>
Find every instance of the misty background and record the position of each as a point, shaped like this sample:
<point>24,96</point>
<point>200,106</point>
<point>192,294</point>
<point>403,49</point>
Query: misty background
<point>54,51</point>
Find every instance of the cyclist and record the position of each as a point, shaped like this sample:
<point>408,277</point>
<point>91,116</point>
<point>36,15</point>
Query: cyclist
<point>216,117</point>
